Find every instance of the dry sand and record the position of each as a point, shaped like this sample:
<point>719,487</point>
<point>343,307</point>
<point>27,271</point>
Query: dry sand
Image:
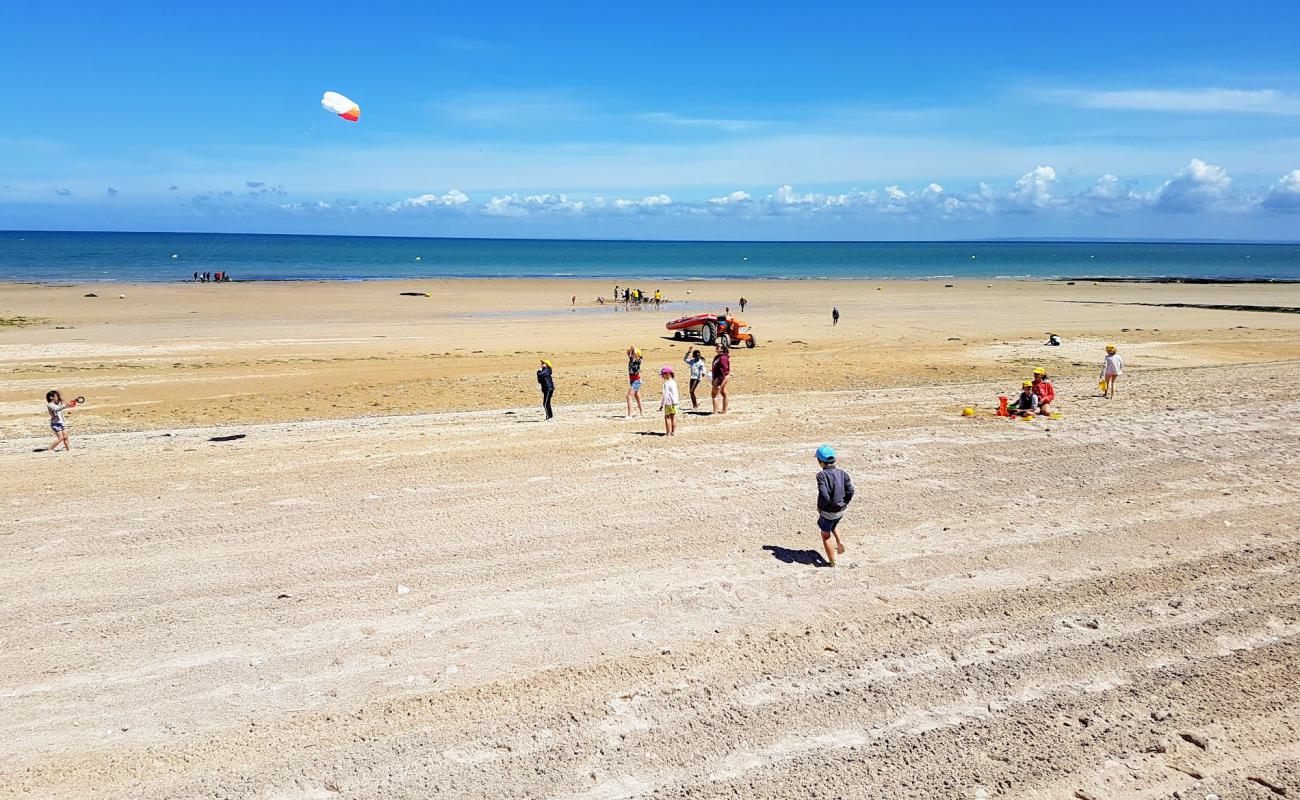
<point>399,583</point>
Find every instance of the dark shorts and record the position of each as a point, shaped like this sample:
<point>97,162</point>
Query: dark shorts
<point>827,525</point>
<point>57,427</point>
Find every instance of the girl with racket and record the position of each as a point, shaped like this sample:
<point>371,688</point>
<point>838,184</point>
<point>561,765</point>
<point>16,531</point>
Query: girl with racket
<point>55,405</point>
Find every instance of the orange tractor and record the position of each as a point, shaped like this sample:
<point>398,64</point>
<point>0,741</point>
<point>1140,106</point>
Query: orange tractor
<point>710,328</point>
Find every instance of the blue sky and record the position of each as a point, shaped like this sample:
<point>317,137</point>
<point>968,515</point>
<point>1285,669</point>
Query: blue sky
<point>672,120</point>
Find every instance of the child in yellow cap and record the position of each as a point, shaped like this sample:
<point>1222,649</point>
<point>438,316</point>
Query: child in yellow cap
<point>1026,404</point>
<point>1111,368</point>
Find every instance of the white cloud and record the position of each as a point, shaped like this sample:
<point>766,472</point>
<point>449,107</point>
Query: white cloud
<point>731,199</point>
<point>1035,190</point>
<point>679,121</point>
<point>1285,194</point>
<point>1198,187</point>
<point>1190,101</point>
<point>513,205</point>
<point>452,199</point>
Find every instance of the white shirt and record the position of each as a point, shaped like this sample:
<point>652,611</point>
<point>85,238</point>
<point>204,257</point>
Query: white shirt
<point>56,412</point>
<point>670,392</point>
<point>1113,365</point>
<point>697,365</point>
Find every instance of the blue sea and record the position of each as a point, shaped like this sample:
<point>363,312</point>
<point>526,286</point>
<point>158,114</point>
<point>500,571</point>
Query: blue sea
<point>72,256</point>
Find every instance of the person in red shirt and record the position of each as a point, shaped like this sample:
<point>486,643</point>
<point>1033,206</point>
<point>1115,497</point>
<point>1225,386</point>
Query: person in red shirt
<point>721,377</point>
<point>1044,392</point>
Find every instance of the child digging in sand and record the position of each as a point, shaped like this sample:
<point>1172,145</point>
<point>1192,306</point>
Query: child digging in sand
<point>55,405</point>
<point>834,493</point>
<point>668,404</point>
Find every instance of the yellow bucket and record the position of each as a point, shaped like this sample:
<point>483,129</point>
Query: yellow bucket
<point>1102,385</point>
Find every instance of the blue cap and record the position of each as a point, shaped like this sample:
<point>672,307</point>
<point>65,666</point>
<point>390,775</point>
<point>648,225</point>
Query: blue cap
<point>826,454</point>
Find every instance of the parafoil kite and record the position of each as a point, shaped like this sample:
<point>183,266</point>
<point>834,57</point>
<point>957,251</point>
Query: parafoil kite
<point>336,103</point>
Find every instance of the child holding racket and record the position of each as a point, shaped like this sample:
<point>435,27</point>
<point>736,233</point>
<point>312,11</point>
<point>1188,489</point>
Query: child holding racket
<point>54,403</point>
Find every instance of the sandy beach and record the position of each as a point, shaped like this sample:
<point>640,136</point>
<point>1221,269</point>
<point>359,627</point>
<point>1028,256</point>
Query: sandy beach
<point>313,541</point>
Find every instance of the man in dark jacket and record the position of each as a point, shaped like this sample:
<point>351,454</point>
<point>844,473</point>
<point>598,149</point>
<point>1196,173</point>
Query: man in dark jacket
<point>547,383</point>
<point>834,493</point>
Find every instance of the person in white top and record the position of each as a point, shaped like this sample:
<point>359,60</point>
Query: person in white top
<point>55,405</point>
<point>1111,368</point>
<point>668,403</point>
<point>698,367</point>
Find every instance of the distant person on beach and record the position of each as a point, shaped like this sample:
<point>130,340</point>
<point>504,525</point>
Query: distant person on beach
<point>1026,405</point>
<point>721,377</point>
<point>698,365</point>
<point>1044,391</point>
<point>834,493</point>
<point>1053,340</point>
<point>547,382</point>
<point>55,405</point>
<point>835,316</point>
<point>743,302</point>
<point>668,402</point>
<point>196,277</point>
<point>573,301</point>
<point>1111,368</point>
<point>634,380</point>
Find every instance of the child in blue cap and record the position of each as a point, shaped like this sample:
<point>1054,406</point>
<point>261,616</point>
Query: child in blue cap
<point>834,493</point>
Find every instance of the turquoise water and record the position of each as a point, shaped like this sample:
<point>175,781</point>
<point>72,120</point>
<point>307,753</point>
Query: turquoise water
<point>62,256</point>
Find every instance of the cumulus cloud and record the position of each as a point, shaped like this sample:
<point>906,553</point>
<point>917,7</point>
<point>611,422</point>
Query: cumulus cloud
<point>1285,194</point>
<point>1034,191</point>
<point>172,188</point>
<point>452,199</point>
<point>734,198</point>
<point>254,184</point>
<point>1198,187</point>
<point>63,192</point>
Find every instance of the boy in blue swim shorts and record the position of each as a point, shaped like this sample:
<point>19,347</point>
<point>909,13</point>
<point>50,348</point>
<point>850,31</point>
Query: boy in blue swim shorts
<point>834,493</point>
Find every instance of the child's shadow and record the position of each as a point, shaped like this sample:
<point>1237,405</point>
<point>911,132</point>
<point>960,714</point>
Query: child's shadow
<point>650,433</point>
<point>809,558</point>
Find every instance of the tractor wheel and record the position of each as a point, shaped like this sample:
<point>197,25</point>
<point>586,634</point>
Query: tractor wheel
<point>751,343</point>
<point>677,334</point>
<point>708,333</point>
<point>725,341</point>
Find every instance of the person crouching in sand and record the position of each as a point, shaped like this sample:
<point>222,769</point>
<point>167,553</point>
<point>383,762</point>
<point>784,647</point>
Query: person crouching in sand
<point>1111,368</point>
<point>1044,391</point>
<point>834,493</point>
<point>634,380</point>
<point>55,405</point>
<point>668,403</point>
<point>1026,404</point>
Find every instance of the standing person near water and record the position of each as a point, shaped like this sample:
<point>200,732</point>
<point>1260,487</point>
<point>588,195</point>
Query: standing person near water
<point>743,303</point>
<point>547,382</point>
<point>698,365</point>
<point>721,376</point>
<point>634,380</point>
<point>835,316</point>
